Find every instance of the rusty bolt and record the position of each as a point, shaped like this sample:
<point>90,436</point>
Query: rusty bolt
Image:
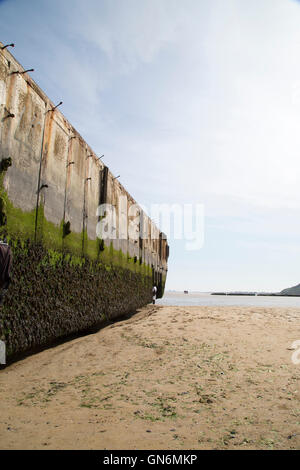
<point>43,186</point>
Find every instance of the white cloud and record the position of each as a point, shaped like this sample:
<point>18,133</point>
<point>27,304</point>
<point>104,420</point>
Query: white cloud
<point>128,32</point>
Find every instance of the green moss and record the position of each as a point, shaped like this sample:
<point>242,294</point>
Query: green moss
<point>18,221</point>
<point>21,224</point>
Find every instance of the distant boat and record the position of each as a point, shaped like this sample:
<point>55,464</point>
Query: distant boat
<point>186,291</point>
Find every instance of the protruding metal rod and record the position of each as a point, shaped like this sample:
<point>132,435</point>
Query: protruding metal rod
<point>22,72</point>
<point>7,45</point>
<point>101,156</point>
<point>116,177</point>
<point>9,115</point>
<point>28,70</point>
<point>70,163</point>
<point>54,107</point>
<point>42,187</point>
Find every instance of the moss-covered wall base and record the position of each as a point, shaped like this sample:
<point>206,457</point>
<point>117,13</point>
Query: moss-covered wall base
<point>53,294</point>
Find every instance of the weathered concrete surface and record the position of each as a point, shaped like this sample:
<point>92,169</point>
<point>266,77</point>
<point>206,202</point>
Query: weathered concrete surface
<point>51,183</point>
<point>48,153</point>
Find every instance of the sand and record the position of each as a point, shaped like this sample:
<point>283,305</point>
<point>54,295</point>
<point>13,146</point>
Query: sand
<point>166,378</point>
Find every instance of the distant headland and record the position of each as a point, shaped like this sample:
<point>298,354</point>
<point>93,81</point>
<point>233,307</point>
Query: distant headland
<point>289,292</point>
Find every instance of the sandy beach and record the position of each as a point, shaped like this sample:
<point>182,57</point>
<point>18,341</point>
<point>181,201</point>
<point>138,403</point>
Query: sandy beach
<point>165,378</point>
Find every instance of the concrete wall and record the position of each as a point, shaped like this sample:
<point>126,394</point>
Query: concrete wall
<point>55,176</point>
<point>64,279</point>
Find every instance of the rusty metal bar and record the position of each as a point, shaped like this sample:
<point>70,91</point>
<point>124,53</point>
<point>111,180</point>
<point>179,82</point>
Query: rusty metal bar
<point>9,115</point>
<point>84,215</point>
<point>21,72</point>
<point>42,187</point>
<point>54,107</point>
<point>66,181</point>
<point>39,179</point>
<point>7,45</point>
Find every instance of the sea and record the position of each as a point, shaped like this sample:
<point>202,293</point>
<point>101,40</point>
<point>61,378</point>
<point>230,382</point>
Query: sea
<point>206,299</point>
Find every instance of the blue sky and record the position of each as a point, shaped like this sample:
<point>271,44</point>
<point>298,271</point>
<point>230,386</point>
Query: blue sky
<point>191,102</point>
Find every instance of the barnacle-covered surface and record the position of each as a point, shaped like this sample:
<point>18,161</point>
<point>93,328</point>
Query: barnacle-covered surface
<point>54,294</point>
